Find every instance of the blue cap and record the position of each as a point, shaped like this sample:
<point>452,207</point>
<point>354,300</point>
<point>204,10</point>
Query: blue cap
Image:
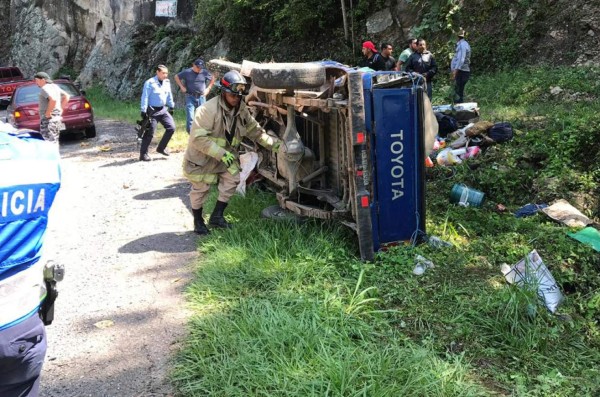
<point>199,62</point>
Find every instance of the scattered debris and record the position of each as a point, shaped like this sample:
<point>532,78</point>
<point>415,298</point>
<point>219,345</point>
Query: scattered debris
<point>531,272</point>
<point>437,242</point>
<point>104,324</point>
<point>466,196</point>
<point>450,156</point>
<point>529,210</point>
<point>422,264</point>
<point>563,212</point>
<point>589,236</point>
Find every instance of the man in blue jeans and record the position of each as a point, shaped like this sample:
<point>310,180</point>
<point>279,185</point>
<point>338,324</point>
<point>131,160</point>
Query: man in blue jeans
<point>192,82</point>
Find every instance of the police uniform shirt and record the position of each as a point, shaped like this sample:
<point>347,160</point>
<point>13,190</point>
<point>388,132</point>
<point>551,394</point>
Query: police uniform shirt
<point>156,94</point>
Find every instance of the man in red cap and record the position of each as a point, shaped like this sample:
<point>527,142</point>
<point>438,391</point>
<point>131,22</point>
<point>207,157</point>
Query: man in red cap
<point>373,59</point>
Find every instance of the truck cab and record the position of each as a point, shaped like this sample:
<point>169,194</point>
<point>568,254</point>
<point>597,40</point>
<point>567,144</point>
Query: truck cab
<point>10,78</point>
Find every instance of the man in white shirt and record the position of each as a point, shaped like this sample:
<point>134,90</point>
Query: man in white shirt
<point>52,101</point>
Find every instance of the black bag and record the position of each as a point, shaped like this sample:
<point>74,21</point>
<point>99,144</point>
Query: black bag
<point>501,132</point>
<point>447,124</point>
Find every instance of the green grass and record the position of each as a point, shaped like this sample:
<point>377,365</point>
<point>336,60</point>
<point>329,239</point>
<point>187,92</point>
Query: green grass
<point>281,309</point>
<point>288,310</point>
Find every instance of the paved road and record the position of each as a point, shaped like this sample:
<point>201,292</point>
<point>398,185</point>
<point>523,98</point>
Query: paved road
<point>122,229</point>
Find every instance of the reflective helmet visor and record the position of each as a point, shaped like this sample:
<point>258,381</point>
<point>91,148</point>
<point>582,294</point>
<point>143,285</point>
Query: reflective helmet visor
<point>237,88</point>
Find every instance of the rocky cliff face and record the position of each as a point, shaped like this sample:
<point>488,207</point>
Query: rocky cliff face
<point>90,36</point>
<point>115,42</point>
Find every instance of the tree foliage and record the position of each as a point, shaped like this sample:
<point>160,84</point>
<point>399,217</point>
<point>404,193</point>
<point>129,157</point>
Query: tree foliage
<point>251,22</point>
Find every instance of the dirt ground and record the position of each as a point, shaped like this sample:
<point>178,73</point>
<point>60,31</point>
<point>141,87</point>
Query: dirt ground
<point>122,229</point>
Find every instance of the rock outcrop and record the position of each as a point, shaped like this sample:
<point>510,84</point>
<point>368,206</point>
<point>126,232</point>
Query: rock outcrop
<point>89,38</point>
<point>117,43</point>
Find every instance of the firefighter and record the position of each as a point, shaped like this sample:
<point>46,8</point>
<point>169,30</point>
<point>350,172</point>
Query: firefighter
<point>212,157</point>
<point>27,287</point>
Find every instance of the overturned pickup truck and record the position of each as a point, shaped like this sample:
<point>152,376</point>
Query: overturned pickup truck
<point>354,145</point>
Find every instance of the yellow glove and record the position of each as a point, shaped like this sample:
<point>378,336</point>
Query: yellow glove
<point>231,163</point>
<point>276,146</point>
<point>228,159</point>
<point>234,168</point>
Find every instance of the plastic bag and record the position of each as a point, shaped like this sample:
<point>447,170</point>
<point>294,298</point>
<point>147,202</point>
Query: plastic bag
<point>448,156</point>
<point>247,163</point>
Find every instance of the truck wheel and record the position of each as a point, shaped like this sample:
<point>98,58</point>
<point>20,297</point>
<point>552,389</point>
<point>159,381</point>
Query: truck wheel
<point>288,75</point>
<point>277,213</point>
<point>90,132</point>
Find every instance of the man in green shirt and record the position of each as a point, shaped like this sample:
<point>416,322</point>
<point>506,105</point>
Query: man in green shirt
<point>412,47</point>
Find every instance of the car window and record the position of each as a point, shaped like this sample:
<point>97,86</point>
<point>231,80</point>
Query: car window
<point>69,89</point>
<point>30,93</point>
<point>26,94</point>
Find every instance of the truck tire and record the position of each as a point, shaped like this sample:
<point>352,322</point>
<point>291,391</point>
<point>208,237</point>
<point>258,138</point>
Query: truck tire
<point>275,212</point>
<point>90,132</point>
<point>288,75</point>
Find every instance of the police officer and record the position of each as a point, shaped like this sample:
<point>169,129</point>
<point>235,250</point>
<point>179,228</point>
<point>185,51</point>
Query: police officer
<point>25,199</point>
<point>192,82</point>
<point>212,155</point>
<point>157,104</point>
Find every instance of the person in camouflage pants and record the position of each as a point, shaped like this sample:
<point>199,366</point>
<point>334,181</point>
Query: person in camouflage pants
<point>52,101</point>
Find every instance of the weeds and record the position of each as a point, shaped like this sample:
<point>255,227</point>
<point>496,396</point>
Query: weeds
<point>282,309</point>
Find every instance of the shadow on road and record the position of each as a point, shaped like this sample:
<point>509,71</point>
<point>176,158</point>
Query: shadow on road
<point>179,190</point>
<point>120,163</point>
<point>175,242</point>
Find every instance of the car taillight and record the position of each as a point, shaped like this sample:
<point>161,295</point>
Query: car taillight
<point>17,114</point>
<point>87,105</point>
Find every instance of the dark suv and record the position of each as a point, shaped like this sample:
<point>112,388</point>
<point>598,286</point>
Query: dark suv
<point>353,145</point>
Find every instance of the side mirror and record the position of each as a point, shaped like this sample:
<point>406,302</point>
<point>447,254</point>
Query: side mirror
<point>82,92</point>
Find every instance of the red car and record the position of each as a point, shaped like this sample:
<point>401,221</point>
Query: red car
<point>22,111</point>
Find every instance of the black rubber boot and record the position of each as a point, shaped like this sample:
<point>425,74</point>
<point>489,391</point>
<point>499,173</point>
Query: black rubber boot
<point>216,218</point>
<point>199,226</point>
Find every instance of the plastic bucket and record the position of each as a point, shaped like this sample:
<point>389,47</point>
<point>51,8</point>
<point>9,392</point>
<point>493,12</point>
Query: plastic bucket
<point>466,196</point>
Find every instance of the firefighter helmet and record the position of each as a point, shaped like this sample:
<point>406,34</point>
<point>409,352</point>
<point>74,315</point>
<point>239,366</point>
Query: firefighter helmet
<point>233,82</point>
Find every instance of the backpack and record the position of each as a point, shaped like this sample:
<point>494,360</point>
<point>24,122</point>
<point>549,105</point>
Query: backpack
<point>501,132</point>
<point>447,124</point>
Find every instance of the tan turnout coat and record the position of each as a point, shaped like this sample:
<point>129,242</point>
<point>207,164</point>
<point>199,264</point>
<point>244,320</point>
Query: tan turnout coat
<point>207,143</point>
